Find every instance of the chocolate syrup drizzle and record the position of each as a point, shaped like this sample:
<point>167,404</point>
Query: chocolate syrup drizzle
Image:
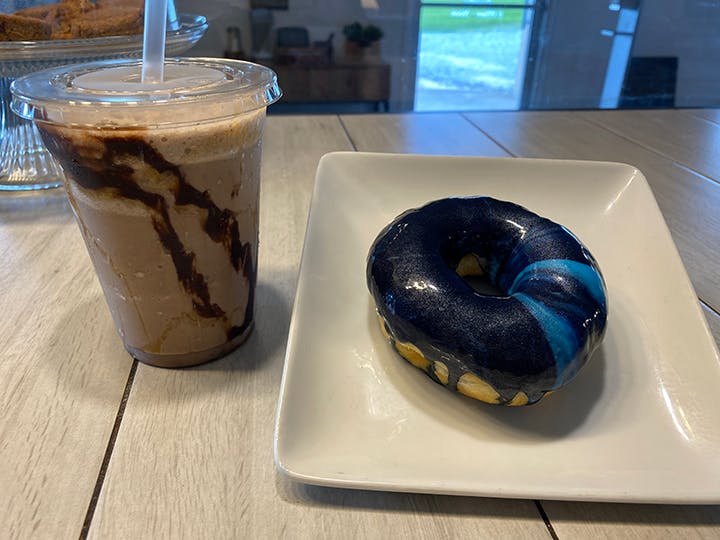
<point>108,172</point>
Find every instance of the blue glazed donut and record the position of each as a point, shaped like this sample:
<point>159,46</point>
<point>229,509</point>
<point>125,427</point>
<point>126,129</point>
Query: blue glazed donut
<point>509,349</point>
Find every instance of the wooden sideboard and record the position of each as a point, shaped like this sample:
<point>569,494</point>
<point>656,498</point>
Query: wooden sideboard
<point>335,82</point>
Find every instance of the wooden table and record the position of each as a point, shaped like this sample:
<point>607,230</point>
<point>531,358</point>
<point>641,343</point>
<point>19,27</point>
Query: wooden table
<point>95,444</point>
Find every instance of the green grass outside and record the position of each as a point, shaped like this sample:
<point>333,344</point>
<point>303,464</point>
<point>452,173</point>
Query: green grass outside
<point>463,19</point>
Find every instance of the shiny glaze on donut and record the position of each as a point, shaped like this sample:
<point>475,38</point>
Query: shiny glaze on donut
<point>510,349</point>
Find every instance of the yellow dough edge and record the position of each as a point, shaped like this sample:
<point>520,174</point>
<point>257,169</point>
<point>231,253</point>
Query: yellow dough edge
<point>407,350</point>
<point>469,384</point>
<point>413,355</point>
<point>383,328</point>
<point>519,400</point>
<point>473,386</point>
<point>441,372</point>
<point>469,265</point>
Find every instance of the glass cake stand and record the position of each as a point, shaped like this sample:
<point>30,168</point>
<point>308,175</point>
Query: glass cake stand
<point>25,163</point>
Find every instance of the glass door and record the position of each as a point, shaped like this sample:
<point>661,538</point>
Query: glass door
<point>472,55</point>
<point>582,54</point>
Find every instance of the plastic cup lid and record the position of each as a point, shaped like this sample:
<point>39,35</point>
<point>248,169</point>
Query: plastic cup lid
<point>110,93</point>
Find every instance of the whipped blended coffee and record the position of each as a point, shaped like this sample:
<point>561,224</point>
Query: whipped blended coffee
<point>166,198</point>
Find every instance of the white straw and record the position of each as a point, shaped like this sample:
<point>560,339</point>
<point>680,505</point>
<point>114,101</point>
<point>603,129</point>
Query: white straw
<point>154,41</point>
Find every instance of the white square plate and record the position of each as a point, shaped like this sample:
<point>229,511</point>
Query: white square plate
<point>640,423</point>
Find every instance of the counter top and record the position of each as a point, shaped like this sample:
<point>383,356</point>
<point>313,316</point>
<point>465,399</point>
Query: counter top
<point>94,444</point>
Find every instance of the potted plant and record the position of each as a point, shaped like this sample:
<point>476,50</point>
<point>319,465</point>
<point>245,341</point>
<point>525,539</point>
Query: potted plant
<point>359,39</point>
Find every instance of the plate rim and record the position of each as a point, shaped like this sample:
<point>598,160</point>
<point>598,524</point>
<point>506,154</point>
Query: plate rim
<point>705,496</point>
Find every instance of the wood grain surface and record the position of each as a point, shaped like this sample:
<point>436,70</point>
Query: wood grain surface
<point>431,133</point>
<point>674,134</point>
<point>193,458</point>
<point>610,521</point>
<point>193,453</point>
<point>713,320</point>
<point>62,370</point>
<point>688,201</point>
<point>708,114</point>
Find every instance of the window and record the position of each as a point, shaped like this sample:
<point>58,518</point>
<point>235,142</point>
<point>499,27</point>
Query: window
<point>472,55</point>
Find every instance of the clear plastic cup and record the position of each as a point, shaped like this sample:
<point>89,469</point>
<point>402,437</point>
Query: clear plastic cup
<point>164,181</point>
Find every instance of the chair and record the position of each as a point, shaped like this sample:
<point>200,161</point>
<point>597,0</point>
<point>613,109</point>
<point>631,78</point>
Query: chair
<point>292,36</point>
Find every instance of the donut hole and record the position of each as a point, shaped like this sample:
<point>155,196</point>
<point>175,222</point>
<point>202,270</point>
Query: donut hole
<point>473,269</point>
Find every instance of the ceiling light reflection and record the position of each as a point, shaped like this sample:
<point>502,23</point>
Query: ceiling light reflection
<point>620,193</point>
<point>678,416</point>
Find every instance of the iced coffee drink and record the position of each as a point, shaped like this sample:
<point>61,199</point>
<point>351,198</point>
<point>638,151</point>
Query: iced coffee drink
<point>168,209</point>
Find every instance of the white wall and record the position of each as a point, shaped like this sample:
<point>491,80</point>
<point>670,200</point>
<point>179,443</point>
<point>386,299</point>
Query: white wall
<point>220,14</point>
<point>573,55</point>
<point>690,30</point>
